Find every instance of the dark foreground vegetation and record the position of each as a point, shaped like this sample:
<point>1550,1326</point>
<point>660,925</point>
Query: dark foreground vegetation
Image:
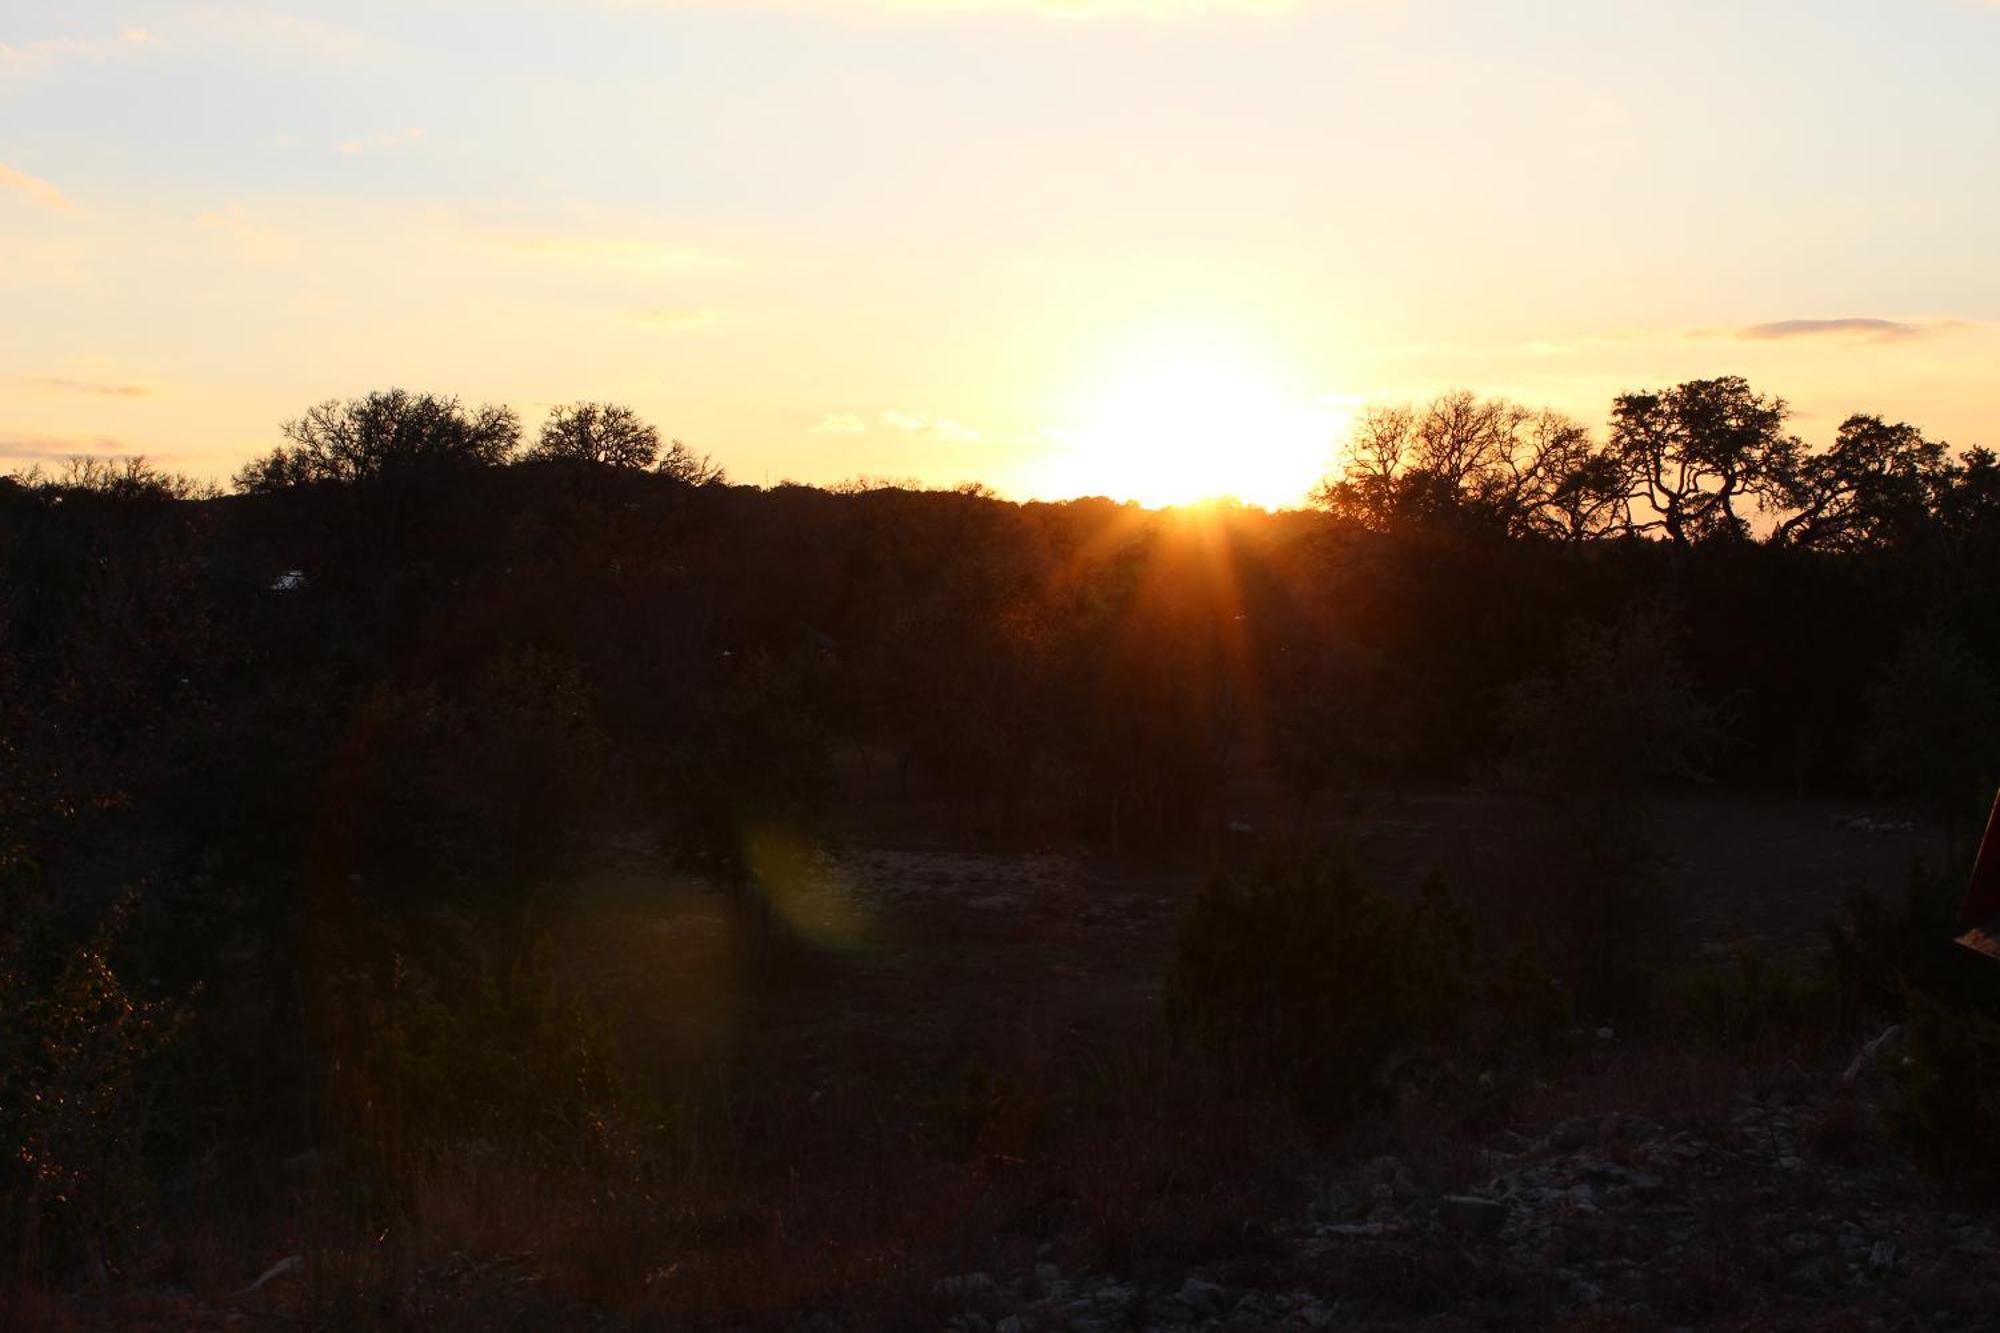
<point>558,888</point>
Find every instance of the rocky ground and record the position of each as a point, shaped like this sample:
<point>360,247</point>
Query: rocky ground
<point>1788,1210</point>
<point>1787,1213</point>
<point>1615,1189</point>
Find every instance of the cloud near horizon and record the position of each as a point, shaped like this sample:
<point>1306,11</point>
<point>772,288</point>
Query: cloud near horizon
<point>30,57</point>
<point>917,424</point>
<point>1056,9</point>
<point>37,191</point>
<point>95,388</point>
<point>254,239</point>
<point>386,139</point>
<point>31,448</point>
<point>839,423</point>
<point>1867,329</point>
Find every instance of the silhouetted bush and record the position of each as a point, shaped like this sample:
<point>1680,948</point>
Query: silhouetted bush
<point>1753,1002</point>
<point>1949,1114</point>
<point>76,1091</point>
<point>1300,976</point>
<point>1932,729</point>
<point>1619,713</point>
<point>1589,739</point>
<point>756,761</point>
<point>1881,953</point>
<point>481,793</point>
<point>460,1040</point>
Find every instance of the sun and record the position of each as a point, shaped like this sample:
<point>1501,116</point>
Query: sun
<point>1196,426</point>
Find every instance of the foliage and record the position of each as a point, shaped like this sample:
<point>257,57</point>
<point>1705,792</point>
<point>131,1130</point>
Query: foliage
<point>681,463</point>
<point>1950,1112</point>
<point>604,433</point>
<point>1529,1001</point>
<point>1753,1001</point>
<point>1882,953</point>
<point>1691,453</point>
<point>120,479</point>
<point>75,1094</point>
<point>1341,728</point>
<point>349,797</point>
<point>1483,462</point>
<point>1932,731</point>
<point>466,1042</point>
<point>759,762</point>
<point>1619,713</point>
<point>387,434</point>
<point>1899,962</point>
<point>1299,976</point>
<point>1878,487</point>
<point>486,790</point>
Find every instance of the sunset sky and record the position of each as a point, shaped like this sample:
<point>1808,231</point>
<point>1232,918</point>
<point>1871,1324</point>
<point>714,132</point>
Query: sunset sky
<point>1139,247</point>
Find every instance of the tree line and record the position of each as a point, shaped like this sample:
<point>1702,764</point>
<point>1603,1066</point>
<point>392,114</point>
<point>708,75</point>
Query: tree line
<point>1702,461</point>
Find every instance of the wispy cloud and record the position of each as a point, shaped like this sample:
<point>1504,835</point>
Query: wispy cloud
<point>1097,8</point>
<point>37,191</point>
<point>269,30</point>
<point>253,238</point>
<point>839,423</point>
<point>1061,9</point>
<point>1856,329</point>
<point>32,448</point>
<point>33,57</point>
<point>919,424</point>
<point>386,139</point>
<point>94,387</point>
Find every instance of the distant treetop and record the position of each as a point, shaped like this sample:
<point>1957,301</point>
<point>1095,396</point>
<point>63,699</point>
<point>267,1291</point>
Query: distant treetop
<point>597,433</point>
<point>132,478</point>
<point>389,432</point>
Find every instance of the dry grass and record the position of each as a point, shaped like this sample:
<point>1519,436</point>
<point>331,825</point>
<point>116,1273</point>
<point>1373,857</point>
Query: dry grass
<point>1676,1087</point>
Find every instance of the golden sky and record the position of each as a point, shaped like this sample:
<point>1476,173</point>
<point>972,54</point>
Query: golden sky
<point>1153,248</point>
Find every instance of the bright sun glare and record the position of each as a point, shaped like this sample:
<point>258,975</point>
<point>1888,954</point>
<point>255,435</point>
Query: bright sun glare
<point>1195,427</point>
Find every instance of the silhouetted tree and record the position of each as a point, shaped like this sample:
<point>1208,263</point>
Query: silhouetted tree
<point>597,433</point>
<point>1878,486</point>
<point>133,478</point>
<point>1480,461</point>
<point>1690,453</point>
<point>684,464</point>
<point>1969,507</point>
<point>388,432</point>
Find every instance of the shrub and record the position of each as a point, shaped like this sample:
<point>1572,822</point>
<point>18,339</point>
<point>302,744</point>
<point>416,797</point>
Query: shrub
<point>1932,729</point>
<point>1753,1002</point>
<point>473,1045</point>
<point>756,760</point>
<point>1882,952</point>
<point>74,1101</point>
<point>1949,1115</point>
<point>1299,976</point>
<point>486,792</point>
<point>1529,1001</point>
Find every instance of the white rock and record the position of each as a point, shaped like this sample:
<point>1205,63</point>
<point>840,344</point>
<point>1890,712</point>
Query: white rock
<point>291,1263</point>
